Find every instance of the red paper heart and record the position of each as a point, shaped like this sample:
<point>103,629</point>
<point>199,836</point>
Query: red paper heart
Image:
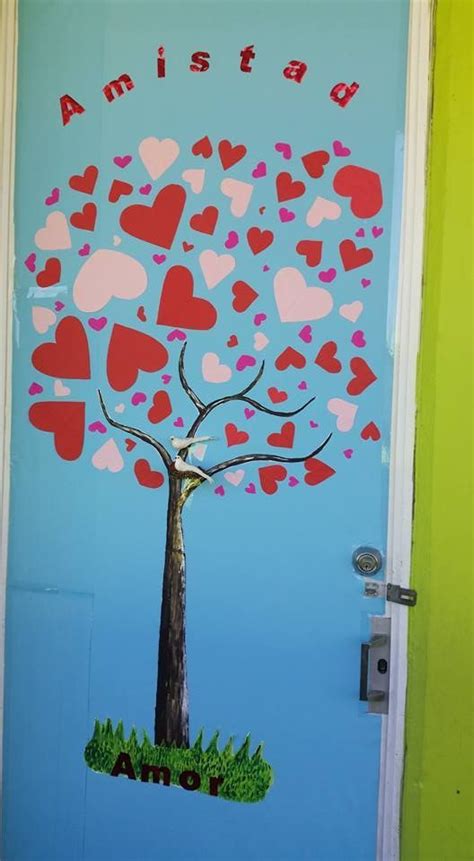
<point>276,396</point>
<point>146,476</point>
<point>119,189</point>
<point>285,438</point>
<point>205,221</point>
<point>353,257</point>
<point>86,181</point>
<point>230,155</point>
<point>178,306</point>
<point>234,436</point>
<point>289,357</point>
<point>187,246</point>
<point>129,444</point>
<point>86,218</point>
<point>64,419</point>
<point>317,471</point>
<point>270,476</point>
<point>258,239</point>
<point>51,273</point>
<point>363,377</point>
<point>314,162</point>
<point>131,351</point>
<point>362,186</point>
<point>68,355</point>
<point>161,408</point>
<point>244,295</point>
<point>202,147</point>
<point>141,314</point>
<point>159,222</point>
<point>233,341</point>
<point>370,431</point>
<point>288,188</point>
<point>326,358</point>
<point>311,250</point>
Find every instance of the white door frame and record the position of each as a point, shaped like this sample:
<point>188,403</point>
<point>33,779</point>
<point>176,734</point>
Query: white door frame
<point>406,343</point>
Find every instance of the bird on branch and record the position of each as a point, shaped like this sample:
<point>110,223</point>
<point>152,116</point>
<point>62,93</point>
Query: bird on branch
<point>189,469</point>
<point>181,443</point>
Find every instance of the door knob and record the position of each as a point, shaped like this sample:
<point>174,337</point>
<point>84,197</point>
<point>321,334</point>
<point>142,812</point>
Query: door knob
<point>367,561</point>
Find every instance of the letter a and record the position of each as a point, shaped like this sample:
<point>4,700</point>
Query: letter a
<point>69,107</point>
<point>295,71</point>
<point>123,765</point>
<point>342,93</point>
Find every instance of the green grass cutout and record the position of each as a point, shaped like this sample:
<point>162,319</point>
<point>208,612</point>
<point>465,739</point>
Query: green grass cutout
<point>246,777</point>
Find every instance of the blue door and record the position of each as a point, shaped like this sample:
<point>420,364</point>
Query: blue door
<point>207,214</point>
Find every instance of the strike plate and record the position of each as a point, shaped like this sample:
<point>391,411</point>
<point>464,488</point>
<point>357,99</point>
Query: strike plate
<point>375,666</point>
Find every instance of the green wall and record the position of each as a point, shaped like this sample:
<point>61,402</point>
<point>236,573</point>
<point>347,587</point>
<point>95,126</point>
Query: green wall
<point>438,810</point>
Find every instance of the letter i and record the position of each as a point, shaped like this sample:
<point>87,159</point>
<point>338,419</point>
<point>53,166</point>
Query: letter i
<point>161,63</point>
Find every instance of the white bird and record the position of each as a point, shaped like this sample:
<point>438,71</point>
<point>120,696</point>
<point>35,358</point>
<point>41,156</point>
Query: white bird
<point>189,468</point>
<point>179,443</point>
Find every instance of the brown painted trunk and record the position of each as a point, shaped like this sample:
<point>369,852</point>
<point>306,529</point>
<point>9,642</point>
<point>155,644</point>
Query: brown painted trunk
<point>172,711</point>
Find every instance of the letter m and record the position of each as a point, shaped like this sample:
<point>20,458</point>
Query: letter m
<point>157,772</point>
<point>117,87</point>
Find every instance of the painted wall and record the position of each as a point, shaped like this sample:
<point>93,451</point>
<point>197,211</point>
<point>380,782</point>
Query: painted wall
<point>438,805</point>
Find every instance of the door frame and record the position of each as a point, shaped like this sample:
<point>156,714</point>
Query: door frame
<point>405,352</point>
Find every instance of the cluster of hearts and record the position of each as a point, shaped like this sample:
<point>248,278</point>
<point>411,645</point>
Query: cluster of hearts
<point>341,93</point>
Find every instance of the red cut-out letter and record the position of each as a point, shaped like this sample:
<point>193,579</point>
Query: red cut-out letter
<point>117,87</point>
<point>295,71</point>
<point>342,93</point>
<point>161,63</point>
<point>199,61</point>
<point>246,54</point>
<point>69,107</point>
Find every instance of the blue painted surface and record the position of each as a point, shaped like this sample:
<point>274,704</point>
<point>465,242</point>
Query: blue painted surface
<point>275,614</point>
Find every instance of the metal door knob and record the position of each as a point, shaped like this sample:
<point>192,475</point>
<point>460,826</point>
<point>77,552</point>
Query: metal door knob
<point>367,561</point>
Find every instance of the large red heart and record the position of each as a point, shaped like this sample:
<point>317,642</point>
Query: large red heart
<point>66,420</point>
<point>230,155</point>
<point>205,221</point>
<point>258,239</point>
<point>50,274</point>
<point>270,476</point>
<point>317,471</point>
<point>244,295</point>
<point>326,358</point>
<point>289,357</point>
<point>118,189</point>
<point>202,147</point>
<point>146,476</point>
<point>159,222</point>
<point>86,181</point>
<point>161,408</point>
<point>353,257</point>
<point>288,188</point>
<point>362,186</point>
<point>285,438</point>
<point>68,355</point>
<point>311,250</point>
<point>131,351</point>
<point>362,379</point>
<point>85,218</point>
<point>314,162</point>
<point>234,436</point>
<point>178,306</point>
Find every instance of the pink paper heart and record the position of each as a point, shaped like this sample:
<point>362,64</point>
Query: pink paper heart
<point>249,413</point>
<point>260,170</point>
<point>52,198</point>
<point>327,276</point>
<point>145,189</point>
<point>286,214</point>
<point>293,481</point>
<point>303,385</point>
<point>313,424</point>
<point>219,490</point>
<point>366,282</point>
<point>251,488</point>
<point>58,305</point>
<point>176,335</point>
<point>30,262</point>
<point>306,334</point>
<point>138,398</point>
<point>259,319</point>
<point>159,258</point>
<point>284,149</point>
<point>360,232</point>
<point>358,338</point>
<point>35,389</point>
<point>178,423</point>
<point>232,239</point>
<point>85,250</point>
<point>339,149</point>
<point>245,362</point>
<point>97,427</point>
<point>166,378</point>
<point>377,231</point>
<point>122,160</point>
<point>97,323</point>
<point>348,452</point>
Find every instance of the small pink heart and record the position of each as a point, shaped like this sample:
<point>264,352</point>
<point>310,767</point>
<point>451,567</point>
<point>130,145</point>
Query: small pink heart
<point>377,231</point>
<point>249,413</point>
<point>178,423</point>
<point>85,250</point>
<point>52,198</point>
<point>35,389</point>
<point>303,385</point>
<point>245,362</point>
<point>138,398</point>
<point>339,149</point>
<point>251,488</point>
<point>327,276</point>
<point>97,323</point>
<point>358,338</point>
<point>293,481</point>
<point>176,335</point>
<point>306,334</point>
<point>166,378</point>
<point>145,189</point>
<point>58,306</point>
<point>348,452</point>
<point>266,268</point>
<point>360,232</point>
<point>219,490</point>
<point>122,160</point>
<point>30,262</point>
<point>98,427</point>
<point>284,149</point>
<point>366,282</point>
<point>313,424</point>
<point>260,170</point>
<point>159,258</point>
<point>286,214</point>
<point>232,239</point>
<point>259,319</point>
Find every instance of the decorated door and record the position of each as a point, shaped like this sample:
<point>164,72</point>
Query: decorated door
<point>207,214</point>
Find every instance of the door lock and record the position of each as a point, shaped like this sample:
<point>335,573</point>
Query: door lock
<point>367,561</point>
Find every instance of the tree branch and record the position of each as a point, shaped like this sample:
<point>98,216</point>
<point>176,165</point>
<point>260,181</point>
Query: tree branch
<point>142,435</point>
<point>187,388</point>
<point>250,458</point>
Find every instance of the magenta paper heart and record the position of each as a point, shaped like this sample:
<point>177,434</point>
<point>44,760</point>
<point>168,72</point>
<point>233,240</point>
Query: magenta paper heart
<point>35,389</point>
<point>166,378</point>
<point>85,250</point>
<point>219,490</point>
<point>52,198</point>
<point>122,160</point>
<point>339,149</point>
<point>293,481</point>
<point>366,282</point>
<point>284,149</point>
<point>327,276</point>
<point>306,334</point>
<point>377,231</point>
<point>97,323</point>
<point>303,385</point>
<point>159,258</point>
<point>266,268</point>
<point>138,398</point>
<point>232,239</point>
<point>259,319</point>
<point>360,232</point>
<point>260,170</point>
<point>145,189</point>
<point>358,338</point>
<point>286,214</point>
<point>348,452</point>
<point>30,262</point>
<point>178,423</point>
<point>97,427</point>
<point>249,413</point>
<point>245,362</point>
<point>58,306</point>
<point>251,488</point>
<point>176,335</point>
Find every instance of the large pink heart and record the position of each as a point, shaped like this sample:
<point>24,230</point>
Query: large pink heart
<point>106,274</point>
<point>296,302</point>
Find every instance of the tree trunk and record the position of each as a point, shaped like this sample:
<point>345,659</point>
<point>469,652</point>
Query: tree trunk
<point>172,711</point>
